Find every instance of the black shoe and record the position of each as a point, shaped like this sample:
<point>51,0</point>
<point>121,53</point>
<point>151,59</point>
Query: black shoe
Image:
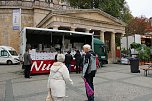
<point>25,77</point>
<point>30,77</point>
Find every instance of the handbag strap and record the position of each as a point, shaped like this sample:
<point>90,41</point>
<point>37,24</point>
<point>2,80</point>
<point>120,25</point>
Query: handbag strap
<point>58,70</point>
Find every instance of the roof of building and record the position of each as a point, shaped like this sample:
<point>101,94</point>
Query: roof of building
<point>75,11</point>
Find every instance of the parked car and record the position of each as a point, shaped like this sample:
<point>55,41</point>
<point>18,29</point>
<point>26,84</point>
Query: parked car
<point>125,59</point>
<point>8,55</point>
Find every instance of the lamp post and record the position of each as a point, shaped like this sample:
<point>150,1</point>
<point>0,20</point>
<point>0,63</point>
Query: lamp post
<point>93,4</point>
<point>127,43</point>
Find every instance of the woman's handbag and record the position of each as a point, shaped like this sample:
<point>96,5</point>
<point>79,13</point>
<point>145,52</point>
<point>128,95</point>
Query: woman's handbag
<point>89,90</point>
<point>49,96</point>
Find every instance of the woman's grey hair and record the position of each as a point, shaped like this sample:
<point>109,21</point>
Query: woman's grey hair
<point>87,46</point>
<point>60,57</point>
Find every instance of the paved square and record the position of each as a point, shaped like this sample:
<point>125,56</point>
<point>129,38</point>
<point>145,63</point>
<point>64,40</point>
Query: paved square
<point>117,91</point>
<point>112,83</point>
<point>114,75</point>
<point>141,81</point>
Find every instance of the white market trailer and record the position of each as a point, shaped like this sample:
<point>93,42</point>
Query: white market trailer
<point>45,43</point>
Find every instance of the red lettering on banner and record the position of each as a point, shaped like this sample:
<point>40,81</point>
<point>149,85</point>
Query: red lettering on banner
<point>46,67</point>
<point>41,66</point>
<point>34,65</point>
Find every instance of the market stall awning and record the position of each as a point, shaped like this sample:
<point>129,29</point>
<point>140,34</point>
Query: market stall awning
<point>31,30</point>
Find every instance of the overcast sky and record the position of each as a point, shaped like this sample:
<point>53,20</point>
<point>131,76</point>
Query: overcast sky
<point>140,7</point>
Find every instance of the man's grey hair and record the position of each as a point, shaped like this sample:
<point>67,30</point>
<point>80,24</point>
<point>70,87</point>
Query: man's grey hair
<point>87,46</point>
<point>60,58</point>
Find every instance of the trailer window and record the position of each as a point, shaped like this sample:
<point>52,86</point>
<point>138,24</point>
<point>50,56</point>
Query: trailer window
<point>4,53</point>
<point>13,53</point>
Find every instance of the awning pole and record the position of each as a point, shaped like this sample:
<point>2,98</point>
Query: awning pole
<point>93,41</point>
<point>63,43</point>
<point>51,37</point>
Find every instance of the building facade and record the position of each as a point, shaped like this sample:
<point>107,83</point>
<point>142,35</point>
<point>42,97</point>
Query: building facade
<point>54,14</point>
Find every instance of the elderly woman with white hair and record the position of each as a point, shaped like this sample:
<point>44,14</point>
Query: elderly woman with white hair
<point>89,68</point>
<point>59,76</point>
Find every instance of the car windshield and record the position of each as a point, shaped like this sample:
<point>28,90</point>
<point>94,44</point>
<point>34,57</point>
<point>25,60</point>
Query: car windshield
<point>14,53</point>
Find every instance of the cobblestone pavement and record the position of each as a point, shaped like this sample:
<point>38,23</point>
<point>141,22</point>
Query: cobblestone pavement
<point>112,83</point>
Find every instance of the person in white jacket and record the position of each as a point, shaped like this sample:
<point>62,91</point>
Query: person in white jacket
<point>59,76</point>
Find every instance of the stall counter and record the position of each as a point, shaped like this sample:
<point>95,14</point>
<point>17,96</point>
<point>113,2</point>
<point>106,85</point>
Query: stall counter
<point>43,66</point>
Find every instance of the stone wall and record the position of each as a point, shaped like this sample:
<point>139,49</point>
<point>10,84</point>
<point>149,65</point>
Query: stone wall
<point>6,32</point>
<point>8,36</point>
<point>27,18</point>
<point>32,13</point>
<point>39,14</point>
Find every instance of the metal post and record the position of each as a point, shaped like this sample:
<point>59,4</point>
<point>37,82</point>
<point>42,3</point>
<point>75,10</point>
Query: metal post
<point>51,37</point>
<point>63,43</point>
<point>134,38</point>
<point>127,44</point>
<point>93,41</point>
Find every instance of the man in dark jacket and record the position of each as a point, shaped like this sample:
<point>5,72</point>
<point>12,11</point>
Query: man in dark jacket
<point>68,59</point>
<point>77,57</point>
<point>89,67</point>
<point>27,64</point>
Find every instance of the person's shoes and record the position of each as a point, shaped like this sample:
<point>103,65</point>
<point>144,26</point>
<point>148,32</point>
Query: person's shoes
<point>29,77</point>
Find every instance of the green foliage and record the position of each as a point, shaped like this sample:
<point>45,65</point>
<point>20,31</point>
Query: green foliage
<point>116,8</point>
<point>112,7</point>
<point>126,16</point>
<point>138,25</point>
<point>143,50</point>
<point>84,4</point>
<point>135,45</point>
<point>124,51</point>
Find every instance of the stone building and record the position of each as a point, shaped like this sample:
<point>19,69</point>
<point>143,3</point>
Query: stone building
<point>55,14</point>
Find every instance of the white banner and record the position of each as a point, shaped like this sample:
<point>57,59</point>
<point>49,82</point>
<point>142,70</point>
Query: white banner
<point>16,19</point>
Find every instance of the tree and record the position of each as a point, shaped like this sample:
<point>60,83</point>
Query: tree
<point>138,25</point>
<point>83,4</point>
<point>116,8</point>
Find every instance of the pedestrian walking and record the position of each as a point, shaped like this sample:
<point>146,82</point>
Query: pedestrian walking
<point>68,59</point>
<point>77,57</point>
<point>56,55</point>
<point>27,63</point>
<point>89,69</point>
<point>59,76</point>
